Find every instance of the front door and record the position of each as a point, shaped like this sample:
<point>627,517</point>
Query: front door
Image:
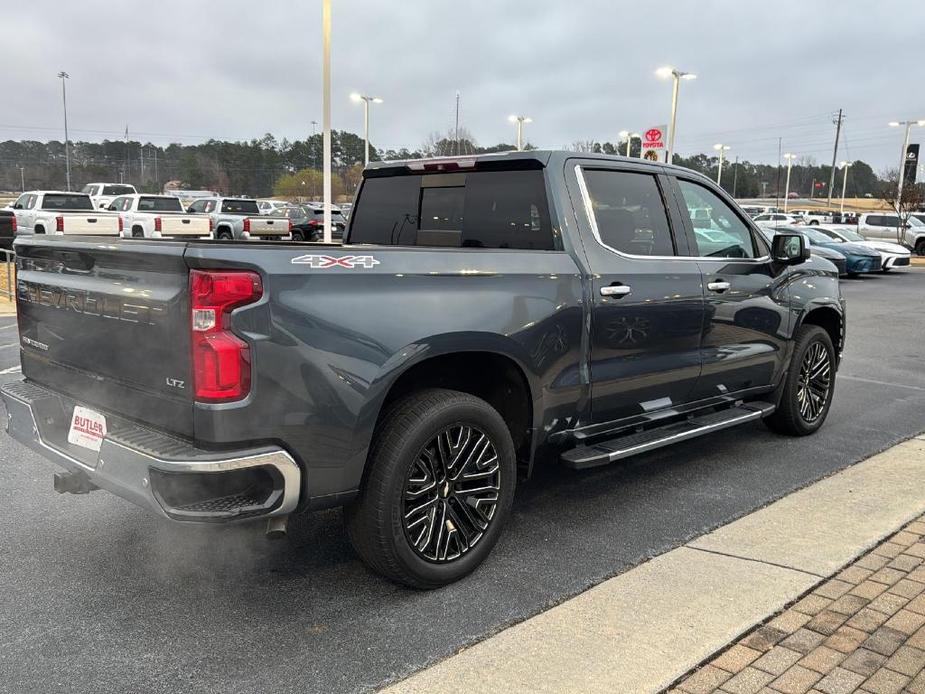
<point>647,299</point>
<point>744,341</point>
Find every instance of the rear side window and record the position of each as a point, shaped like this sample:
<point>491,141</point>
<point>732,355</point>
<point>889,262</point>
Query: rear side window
<point>159,204</point>
<point>629,212</point>
<point>63,201</point>
<point>480,209</point>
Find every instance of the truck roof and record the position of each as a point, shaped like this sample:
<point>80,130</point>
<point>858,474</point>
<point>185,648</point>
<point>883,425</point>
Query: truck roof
<point>53,192</point>
<point>542,157</point>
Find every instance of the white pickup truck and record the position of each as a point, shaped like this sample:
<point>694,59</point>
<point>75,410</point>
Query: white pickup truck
<point>58,212</point>
<point>879,226</point>
<point>240,219</point>
<point>159,216</point>
<point>102,194</point>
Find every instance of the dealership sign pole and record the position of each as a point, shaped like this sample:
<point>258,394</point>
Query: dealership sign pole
<point>326,113</point>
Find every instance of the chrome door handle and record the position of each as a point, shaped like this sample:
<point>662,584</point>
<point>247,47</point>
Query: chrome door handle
<point>718,286</point>
<point>616,290</point>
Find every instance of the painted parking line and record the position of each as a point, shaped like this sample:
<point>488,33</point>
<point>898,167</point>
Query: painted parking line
<point>878,383</point>
<point>12,370</point>
<point>641,630</point>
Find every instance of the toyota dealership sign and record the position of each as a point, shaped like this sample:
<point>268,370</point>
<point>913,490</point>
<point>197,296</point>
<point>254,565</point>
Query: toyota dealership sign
<point>653,142</point>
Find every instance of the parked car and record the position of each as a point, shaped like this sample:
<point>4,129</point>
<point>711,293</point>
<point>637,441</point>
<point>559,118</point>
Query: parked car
<point>159,216</point>
<point>892,254</point>
<point>274,207</point>
<point>308,223</point>
<point>919,216</point>
<point>7,228</point>
<point>416,372</point>
<point>858,259</point>
<point>775,219</point>
<point>837,259</point>
<point>345,209</point>
<point>102,194</point>
<point>239,218</point>
<point>877,226</point>
<point>755,210</point>
<point>815,217</point>
<point>58,212</point>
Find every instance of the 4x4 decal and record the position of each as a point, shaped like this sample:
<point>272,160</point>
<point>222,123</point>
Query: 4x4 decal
<point>346,261</point>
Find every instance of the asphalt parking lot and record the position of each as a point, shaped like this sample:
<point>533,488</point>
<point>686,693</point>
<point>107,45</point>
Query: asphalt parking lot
<point>98,596</point>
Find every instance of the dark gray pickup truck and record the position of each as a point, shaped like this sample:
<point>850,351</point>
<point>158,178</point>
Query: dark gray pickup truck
<point>484,315</point>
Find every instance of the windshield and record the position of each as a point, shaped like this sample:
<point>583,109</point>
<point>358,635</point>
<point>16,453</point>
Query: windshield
<point>816,236</point>
<point>245,207</point>
<point>849,235</point>
<point>67,201</point>
<point>915,222</point>
<point>118,190</point>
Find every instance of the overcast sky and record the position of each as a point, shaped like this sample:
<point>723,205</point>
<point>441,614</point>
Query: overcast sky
<point>582,69</point>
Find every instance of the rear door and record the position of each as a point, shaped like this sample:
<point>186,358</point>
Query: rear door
<point>647,299</point>
<point>746,321</point>
<point>108,324</point>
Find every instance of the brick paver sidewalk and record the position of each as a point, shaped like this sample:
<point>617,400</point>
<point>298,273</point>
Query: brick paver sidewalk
<point>863,630</point>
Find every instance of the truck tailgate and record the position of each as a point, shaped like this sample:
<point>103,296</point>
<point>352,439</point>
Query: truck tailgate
<point>108,324</point>
<point>269,226</point>
<point>184,225</point>
<point>96,224</point>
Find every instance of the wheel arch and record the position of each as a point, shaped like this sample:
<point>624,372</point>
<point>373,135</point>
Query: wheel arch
<point>828,317</point>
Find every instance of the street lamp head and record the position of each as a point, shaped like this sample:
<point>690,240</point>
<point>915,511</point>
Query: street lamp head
<point>893,124</point>
<point>844,164</point>
<point>376,100</point>
<point>788,155</point>
<point>724,148</point>
<point>63,75</point>
<point>624,134</point>
<point>512,118</point>
<point>922,122</point>
<point>527,119</point>
<point>665,72</point>
<point>687,76</point>
<point>355,96</point>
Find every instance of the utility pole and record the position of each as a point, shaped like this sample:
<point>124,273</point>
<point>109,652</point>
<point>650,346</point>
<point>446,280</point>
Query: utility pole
<point>837,121</point>
<point>22,177</point>
<point>67,153</point>
<point>789,157</point>
<point>156,179</point>
<point>456,136</point>
<point>142,149</point>
<point>777,187</point>
<point>125,165</point>
<point>735,175</point>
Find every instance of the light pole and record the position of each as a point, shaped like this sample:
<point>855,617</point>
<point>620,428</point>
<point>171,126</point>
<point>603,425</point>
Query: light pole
<point>844,181</point>
<point>366,101</point>
<point>902,159</point>
<point>22,177</point>
<point>520,120</point>
<point>628,136</point>
<point>789,157</point>
<point>67,154</point>
<point>665,73</point>
<point>722,150</point>
<point>326,114</point>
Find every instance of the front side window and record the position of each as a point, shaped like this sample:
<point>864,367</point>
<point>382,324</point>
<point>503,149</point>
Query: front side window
<point>629,212</point>
<point>480,209</point>
<point>718,230</point>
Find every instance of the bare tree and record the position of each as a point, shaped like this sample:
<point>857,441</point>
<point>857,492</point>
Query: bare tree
<point>445,144</point>
<point>913,199</point>
<point>584,146</point>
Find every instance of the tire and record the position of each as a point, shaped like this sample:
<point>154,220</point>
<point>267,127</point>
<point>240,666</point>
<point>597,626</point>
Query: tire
<point>297,236</point>
<point>920,247</point>
<point>814,223</point>
<point>404,466</point>
<point>791,416</point>
<point>225,234</point>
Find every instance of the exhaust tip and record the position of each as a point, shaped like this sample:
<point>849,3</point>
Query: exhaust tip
<point>276,527</point>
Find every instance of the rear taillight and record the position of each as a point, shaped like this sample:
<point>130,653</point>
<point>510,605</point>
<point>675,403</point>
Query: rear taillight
<point>121,224</point>
<point>315,223</point>
<point>211,225</point>
<point>157,224</point>
<point>59,224</point>
<point>13,220</point>
<point>221,360</point>
<point>290,225</point>
<point>247,225</point>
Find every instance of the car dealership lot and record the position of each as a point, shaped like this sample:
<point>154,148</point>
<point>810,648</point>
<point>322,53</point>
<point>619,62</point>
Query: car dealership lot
<point>99,596</point>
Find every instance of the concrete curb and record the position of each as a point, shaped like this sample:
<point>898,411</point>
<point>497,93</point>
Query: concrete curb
<point>643,629</point>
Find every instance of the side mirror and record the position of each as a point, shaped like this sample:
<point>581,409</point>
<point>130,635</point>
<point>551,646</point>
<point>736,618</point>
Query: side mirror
<point>789,249</point>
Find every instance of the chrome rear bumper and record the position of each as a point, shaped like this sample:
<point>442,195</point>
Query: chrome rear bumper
<point>171,477</point>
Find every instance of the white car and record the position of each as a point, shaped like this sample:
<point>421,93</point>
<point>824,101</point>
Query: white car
<point>774,219</point>
<point>755,210</point>
<point>878,226</point>
<point>102,194</point>
<point>276,207</point>
<point>893,254</point>
<point>814,217</point>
